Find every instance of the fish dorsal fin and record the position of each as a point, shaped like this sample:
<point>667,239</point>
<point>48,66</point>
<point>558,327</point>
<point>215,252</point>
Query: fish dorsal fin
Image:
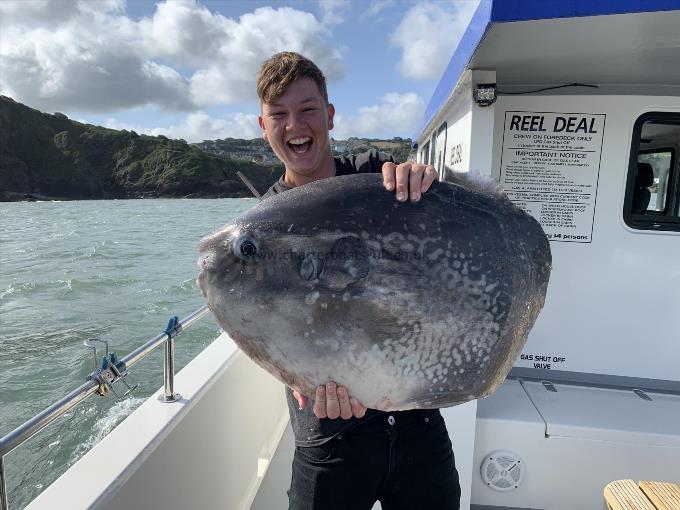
<point>348,262</point>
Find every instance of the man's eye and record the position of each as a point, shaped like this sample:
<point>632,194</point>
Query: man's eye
<point>309,109</point>
<point>277,114</point>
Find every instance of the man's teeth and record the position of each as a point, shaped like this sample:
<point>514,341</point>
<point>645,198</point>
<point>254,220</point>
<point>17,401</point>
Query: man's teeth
<point>300,145</point>
<point>299,141</point>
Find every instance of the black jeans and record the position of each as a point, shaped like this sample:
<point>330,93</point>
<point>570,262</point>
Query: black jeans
<point>403,459</point>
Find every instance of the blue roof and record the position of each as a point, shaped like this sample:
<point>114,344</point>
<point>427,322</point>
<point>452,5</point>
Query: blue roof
<point>504,11</point>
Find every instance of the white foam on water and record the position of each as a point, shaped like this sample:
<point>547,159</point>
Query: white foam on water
<point>116,413</point>
<point>10,290</point>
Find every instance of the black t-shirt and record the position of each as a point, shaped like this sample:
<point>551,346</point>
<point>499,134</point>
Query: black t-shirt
<point>307,428</point>
<point>364,163</point>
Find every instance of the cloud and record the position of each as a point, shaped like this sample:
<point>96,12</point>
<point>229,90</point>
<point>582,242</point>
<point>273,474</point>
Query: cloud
<point>334,12</point>
<point>185,33</point>
<point>254,38</point>
<point>395,115</point>
<point>376,7</point>
<point>46,13</point>
<point>199,126</point>
<point>43,79</point>
<point>89,56</point>
<point>428,34</point>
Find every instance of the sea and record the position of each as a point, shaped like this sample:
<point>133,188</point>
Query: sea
<point>115,270</point>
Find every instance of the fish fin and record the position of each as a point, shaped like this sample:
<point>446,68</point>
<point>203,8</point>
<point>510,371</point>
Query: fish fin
<point>475,181</point>
<point>348,262</point>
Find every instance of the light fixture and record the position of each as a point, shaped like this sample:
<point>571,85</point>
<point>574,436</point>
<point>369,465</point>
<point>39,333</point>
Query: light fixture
<point>484,94</point>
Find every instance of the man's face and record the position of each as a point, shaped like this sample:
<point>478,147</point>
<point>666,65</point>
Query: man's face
<point>296,126</point>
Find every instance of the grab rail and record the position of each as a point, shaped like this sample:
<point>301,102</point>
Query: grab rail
<point>94,385</point>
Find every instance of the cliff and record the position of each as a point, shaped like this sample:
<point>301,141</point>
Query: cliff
<point>45,156</point>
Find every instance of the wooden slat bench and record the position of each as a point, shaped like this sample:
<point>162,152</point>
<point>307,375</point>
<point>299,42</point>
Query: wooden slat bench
<point>627,495</point>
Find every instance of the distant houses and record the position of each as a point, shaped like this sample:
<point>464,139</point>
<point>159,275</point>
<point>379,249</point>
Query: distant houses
<point>257,151</point>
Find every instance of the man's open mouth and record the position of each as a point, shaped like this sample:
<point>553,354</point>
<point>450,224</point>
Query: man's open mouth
<point>300,145</point>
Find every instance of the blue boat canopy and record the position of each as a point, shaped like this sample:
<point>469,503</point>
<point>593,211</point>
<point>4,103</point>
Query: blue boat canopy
<point>535,43</point>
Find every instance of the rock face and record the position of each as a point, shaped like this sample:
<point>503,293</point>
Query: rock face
<point>408,305</point>
<point>50,156</point>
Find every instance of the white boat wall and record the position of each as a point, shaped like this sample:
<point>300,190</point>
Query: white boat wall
<point>595,396</point>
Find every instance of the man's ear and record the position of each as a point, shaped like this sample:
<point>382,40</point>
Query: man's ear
<point>261,123</point>
<point>331,114</point>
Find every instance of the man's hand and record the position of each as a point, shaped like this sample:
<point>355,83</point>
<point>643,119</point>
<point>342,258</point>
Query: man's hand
<point>410,179</point>
<point>332,401</point>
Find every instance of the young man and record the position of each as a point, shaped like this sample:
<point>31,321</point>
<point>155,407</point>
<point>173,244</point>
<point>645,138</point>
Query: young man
<point>347,456</point>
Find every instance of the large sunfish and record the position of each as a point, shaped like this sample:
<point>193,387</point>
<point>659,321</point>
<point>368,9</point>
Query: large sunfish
<point>408,305</point>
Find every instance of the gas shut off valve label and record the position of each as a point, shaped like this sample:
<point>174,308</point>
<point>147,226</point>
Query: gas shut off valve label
<point>550,168</point>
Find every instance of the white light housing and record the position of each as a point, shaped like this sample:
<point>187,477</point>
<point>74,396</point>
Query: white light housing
<point>484,94</point>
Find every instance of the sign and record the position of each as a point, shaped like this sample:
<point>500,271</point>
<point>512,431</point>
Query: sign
<point>544,361</point>
<point>550,167</point>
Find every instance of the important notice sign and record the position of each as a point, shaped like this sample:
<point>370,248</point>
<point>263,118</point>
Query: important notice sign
<point>550,168</point>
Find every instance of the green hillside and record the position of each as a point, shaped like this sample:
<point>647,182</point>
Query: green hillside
<point>50,156</point>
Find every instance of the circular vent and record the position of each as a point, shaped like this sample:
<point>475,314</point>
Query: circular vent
<point>502,470</point>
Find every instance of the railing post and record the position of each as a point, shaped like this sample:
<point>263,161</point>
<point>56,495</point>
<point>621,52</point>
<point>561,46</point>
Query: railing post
<point>169,372</point>
<point>3,486</point>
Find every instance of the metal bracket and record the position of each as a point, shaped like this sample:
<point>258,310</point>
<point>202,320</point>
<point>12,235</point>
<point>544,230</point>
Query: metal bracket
<point>173,328</point>
<point>110,371</point>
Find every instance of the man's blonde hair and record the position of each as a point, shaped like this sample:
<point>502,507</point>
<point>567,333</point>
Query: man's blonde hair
<point>282,69</point>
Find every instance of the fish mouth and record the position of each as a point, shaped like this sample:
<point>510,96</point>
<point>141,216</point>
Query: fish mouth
<point>300,144</point>
<point>212,250</point>
<point>202,284</point>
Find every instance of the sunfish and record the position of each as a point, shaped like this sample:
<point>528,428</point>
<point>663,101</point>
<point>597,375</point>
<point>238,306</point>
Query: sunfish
<point>408,305</point>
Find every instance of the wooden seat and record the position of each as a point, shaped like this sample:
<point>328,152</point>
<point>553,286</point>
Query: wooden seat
<point>664,496</point>
<point>627,495</point>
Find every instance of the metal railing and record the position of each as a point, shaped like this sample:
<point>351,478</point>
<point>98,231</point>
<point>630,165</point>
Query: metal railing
<point>98,383</point>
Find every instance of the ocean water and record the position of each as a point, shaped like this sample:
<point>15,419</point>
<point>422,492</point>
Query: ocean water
<point>69,271</point>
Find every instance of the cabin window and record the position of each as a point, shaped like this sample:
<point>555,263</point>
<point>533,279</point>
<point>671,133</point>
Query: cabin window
<point>433,146</point>
<point>440,150</point>
<point>653,187</point>
<point>425,154</point>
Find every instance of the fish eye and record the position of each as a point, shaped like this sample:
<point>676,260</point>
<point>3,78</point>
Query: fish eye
<point>245,248</point>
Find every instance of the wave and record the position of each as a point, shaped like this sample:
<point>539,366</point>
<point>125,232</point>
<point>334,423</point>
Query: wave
<point>62,287</point>
<point>104,425</point>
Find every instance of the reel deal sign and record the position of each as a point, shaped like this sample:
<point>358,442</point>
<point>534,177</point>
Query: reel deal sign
<point>550,168</point>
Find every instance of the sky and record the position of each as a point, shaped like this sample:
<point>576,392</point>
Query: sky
<point>187,68</point>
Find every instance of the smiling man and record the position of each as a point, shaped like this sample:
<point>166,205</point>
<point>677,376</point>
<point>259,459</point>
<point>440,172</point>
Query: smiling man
<point>346,456</point>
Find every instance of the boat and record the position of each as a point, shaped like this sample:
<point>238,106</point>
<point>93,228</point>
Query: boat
<point>574,107</point>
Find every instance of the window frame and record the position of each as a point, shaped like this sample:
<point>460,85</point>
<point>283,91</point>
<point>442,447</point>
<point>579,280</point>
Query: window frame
<point>652,220</point>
